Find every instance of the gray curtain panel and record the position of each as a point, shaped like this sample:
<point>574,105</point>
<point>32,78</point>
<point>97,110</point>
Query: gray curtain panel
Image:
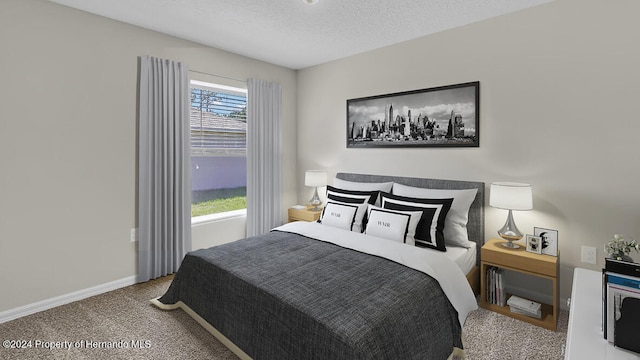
<point>264,188</point>
<point>164,167</point>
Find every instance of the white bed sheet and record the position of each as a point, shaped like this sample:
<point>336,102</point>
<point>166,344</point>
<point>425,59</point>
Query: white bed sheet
<point>465,258</point>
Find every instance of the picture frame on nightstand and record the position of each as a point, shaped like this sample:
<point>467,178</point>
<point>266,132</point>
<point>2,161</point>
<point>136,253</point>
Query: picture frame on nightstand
<point>549,238</point>
<point>534,244</point>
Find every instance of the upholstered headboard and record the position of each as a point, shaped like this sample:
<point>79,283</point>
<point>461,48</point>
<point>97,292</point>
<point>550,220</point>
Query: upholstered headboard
<point>475,226</point>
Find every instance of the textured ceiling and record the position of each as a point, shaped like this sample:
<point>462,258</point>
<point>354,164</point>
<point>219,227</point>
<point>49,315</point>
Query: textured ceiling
<point>293,34</point>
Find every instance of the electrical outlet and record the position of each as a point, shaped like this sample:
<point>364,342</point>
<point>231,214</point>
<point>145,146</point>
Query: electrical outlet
<point>589,254</point>
<point>133,235</point>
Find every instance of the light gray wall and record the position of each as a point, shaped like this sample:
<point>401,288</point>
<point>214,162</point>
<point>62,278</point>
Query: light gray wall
<point>558,94</point>
<point>558,109</point>
<point>68,145</point>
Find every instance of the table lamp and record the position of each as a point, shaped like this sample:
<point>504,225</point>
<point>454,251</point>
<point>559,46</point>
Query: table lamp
<point>315,178</point>
<point>510,196</point>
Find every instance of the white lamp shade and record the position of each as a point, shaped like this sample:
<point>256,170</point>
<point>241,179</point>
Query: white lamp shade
<point>315,178</point>
<point>511,196</point>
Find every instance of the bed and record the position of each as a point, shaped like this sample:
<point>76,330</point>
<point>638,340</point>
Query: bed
<point>316,291</point>
<point>468,258</point>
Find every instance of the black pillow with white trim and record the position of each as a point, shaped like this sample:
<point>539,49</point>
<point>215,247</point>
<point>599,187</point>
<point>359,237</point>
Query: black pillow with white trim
<point>366,196</point>
<point>348,200</point>
<point>430,230</point>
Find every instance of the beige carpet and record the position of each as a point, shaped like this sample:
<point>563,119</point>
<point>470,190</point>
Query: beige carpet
<point>125,318</point>
<point>488,335</point>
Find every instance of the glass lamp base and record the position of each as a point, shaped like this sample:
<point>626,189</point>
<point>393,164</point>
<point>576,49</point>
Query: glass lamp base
<point>315,206</point>
<point>510,245</point>
<point>510,233</point>
<point>315,201</point>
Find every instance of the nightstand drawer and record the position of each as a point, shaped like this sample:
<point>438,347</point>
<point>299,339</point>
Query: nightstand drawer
<point>303,215</point>
<point>519,259</point>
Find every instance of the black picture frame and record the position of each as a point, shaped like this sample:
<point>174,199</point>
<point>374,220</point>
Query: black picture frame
<point>444,116</point>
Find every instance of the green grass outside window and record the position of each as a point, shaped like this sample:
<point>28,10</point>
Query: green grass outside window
<point>218,201</point>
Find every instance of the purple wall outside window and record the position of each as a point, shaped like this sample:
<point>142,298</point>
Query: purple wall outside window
<point>218,172</point>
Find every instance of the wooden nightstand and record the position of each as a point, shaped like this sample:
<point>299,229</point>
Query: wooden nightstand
<point>543,266</point>
<point>304,214</point>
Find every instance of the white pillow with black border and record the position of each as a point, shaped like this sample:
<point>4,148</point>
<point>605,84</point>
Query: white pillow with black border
<point>361,211</point>
<point>393,225</point>
<point>455,229</point>
<point>337,215</point>
<point>353,197</point>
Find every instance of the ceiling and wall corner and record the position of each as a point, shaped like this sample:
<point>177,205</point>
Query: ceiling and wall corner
<point>291,33</point>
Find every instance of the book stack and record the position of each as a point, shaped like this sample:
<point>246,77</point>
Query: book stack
<point>495,286</point>
<point>522,306</point>
<point>621,304</point>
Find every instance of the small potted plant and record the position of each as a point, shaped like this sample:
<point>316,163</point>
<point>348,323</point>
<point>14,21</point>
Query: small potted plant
<point>618,248</point>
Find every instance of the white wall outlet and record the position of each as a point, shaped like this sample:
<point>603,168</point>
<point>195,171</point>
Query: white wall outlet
<point>589,254</point>
<point>133,235</point>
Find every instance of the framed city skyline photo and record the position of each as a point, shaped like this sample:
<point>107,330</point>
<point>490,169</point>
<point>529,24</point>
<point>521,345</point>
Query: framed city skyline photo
<point>445,116</point>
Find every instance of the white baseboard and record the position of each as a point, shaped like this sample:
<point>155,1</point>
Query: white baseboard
<point>33,308</point>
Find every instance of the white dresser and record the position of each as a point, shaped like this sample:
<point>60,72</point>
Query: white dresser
<point>584,337</point>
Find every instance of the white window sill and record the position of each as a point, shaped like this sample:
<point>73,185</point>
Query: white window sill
<point>200,220</point>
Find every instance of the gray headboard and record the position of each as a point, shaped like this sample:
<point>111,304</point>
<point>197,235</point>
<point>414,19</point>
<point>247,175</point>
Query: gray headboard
<point>475,226</point>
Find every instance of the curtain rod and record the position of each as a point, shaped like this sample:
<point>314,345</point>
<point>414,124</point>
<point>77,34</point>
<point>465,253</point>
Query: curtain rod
<point>220,76</point>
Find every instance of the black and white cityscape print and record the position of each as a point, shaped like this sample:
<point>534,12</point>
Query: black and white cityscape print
<point>436,117</point>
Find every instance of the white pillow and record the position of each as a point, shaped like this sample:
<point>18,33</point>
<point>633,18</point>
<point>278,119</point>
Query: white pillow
<point>363,186</point>
<point>361,211</point>
<point>455,228</point>
<point>339,215</point>
<point>392,224</point>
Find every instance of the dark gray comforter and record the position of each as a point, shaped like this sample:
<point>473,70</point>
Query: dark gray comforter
<point>285,296</point>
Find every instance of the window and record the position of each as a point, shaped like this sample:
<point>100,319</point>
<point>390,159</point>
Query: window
<point>218,118</point>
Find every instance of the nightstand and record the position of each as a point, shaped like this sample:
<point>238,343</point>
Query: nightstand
<point>304,214</point>
<point>543,266</point>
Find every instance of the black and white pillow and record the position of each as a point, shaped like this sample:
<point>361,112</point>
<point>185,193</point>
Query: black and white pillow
<point>455,230</point>
<point>430,230</point>
<point>351,196</point>
<point>339,215</point>
<point>393,225</point>
<point>354,197</point>
<point>360,211</point>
